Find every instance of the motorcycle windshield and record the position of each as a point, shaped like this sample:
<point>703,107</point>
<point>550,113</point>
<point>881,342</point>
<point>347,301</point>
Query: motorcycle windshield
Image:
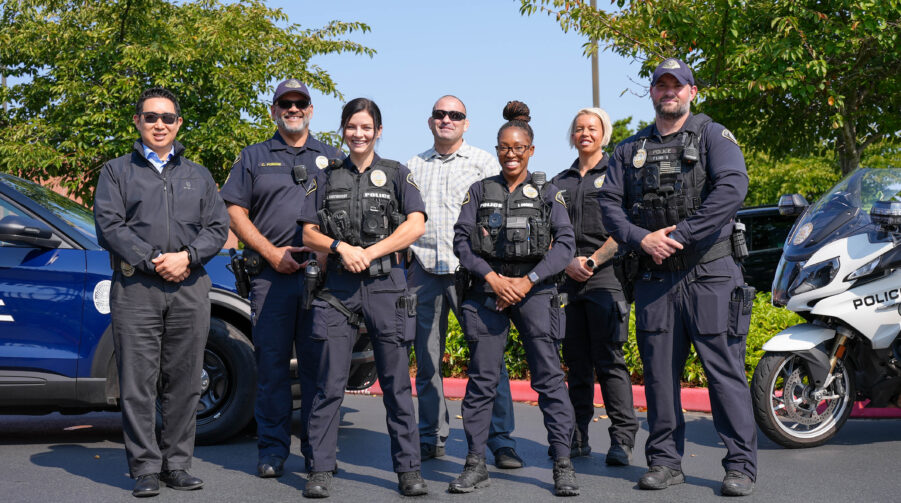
<point>842,211</point>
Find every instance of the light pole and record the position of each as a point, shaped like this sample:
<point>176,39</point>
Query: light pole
<point>595,92</point>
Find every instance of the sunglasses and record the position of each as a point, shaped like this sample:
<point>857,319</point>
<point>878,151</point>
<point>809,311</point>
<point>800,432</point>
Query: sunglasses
<point>287,104</point>
<point>453,114</point>
<point>152,117</point>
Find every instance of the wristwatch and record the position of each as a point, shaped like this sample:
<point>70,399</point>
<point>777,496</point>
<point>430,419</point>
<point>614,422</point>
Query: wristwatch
<point>533,277</point>
<point>334,246</point>
<point>591,264</point>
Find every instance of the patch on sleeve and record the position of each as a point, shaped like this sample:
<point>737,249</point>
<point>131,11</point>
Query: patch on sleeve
<point>312,187</point>
<point>466,198</point>
<point>729,136</point>
<point>559,198</point>
<point>237,160</point>
<point>411,182</point>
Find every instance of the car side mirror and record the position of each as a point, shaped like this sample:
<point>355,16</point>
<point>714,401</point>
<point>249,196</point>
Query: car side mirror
<point>791,205</point>
<point>26,231</point>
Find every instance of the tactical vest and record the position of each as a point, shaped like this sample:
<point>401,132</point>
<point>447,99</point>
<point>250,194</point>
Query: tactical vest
<point>666,182</point>
<point>361,209</point>
<point>511,226</point>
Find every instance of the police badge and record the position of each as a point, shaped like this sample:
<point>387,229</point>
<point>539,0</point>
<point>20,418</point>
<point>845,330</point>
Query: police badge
<point>378,178</point>
<point>639,158</point>
<point>530,191</point>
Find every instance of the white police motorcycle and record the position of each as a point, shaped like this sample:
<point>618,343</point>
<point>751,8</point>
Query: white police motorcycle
<point>841,271</point>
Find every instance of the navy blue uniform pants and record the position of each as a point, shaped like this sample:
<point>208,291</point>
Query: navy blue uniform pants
<point>275,301</point>
<point>597,326</point>
<point>391,329</point>
<point>436,297</point>
<point>673,311</point>
<point>159,331</point>
<point>541,326</point>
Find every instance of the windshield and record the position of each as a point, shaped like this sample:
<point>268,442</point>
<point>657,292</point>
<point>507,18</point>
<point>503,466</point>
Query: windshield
<point>843,210</point>
<point>68,210</point>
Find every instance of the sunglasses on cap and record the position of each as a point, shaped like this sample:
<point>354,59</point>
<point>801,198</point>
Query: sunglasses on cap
<point>152,117</point>
<point>287,104</point>
<point>453,114</point>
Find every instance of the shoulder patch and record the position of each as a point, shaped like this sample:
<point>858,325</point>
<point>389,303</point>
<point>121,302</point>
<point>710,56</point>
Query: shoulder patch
<point>559,198</point>
<point>729,136</point>
<point>411,182</point>
<point>312,187</point>
<point>237,160</point>
<point>466,198</point>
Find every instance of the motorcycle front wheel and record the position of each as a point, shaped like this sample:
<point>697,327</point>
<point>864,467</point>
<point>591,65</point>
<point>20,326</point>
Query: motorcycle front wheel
<point>788,408</point>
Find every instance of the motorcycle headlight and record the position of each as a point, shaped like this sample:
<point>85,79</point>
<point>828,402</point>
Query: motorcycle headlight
<point>815,276</point>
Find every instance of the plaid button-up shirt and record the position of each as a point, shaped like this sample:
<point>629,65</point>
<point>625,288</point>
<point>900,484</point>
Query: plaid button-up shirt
<point>443,182</point>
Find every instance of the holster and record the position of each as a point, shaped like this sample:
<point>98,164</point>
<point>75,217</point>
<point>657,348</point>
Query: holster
<point>625,268</point>
<point>462,282</point>
<point>242,279</point>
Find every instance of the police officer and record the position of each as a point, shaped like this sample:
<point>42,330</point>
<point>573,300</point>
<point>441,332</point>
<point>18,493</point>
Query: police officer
<point>514,236</point>
<point>361,212</point>
<point>264,191</point>
<point>160,217</point>
<point>671,193</point>
<point>597,315</point>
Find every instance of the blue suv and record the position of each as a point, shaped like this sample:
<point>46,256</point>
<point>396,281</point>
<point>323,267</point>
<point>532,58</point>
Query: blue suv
<point>56,348</point>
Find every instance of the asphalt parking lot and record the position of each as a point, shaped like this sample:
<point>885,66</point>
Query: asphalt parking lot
<point>59,458</point>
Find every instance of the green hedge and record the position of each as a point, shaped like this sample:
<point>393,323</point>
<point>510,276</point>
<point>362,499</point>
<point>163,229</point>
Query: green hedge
<point>766,321</point>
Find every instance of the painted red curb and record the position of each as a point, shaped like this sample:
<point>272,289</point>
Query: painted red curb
<point>693,399</point>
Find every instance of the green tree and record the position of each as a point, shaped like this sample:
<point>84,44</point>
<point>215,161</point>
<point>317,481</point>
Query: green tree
<point>789,78</point>
<point>81,65</point>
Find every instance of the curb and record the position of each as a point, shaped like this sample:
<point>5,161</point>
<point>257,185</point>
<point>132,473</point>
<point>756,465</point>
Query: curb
<point>693,399</point>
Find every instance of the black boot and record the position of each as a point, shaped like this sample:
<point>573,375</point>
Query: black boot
<point>474,476</point>
<point>565,478</point>
<point>318,485</point>
<point>411,483</point>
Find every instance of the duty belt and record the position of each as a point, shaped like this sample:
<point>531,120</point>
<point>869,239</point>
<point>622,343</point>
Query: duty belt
<point>512,269</point>
<point>681,261</point>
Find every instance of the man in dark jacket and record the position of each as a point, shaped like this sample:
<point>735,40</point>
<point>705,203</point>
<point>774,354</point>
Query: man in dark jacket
<point>160,217</point>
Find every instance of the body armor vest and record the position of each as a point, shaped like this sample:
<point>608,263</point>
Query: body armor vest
<point>511,226</point>
<point>361,209</point>
<point>667,181</point>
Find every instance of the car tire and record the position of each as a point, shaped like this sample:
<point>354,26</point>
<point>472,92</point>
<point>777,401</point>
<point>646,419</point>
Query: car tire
<point>228,384</point>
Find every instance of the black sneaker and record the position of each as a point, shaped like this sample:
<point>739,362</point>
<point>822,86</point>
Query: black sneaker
<point>411,483</point>
<point>565,478</point>
<point>318,485</point>
<point>506,458</point>
<point>619,455</point>
<point>737,483</point>
<point>474,476</point>
<point>429,451</point>
<point>660,477</point>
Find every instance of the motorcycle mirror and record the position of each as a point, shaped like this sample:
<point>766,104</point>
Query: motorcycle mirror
<point>886,215</point>
<point>792,204</point>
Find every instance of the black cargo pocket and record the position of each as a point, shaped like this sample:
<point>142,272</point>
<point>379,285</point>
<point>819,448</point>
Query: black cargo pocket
<point>558,319</point>
<point>479,321</point>
<point>405,315</point>
<point>327,322</point>
<point>621,311</point>
<point>657,314</point>
<point>710,304</point>
<point>740,306</point>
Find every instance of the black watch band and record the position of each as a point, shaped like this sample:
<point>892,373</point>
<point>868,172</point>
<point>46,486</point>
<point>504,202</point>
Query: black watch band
<point>334,246</point>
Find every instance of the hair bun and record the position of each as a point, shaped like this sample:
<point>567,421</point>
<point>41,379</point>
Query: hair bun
<point>517,111</point>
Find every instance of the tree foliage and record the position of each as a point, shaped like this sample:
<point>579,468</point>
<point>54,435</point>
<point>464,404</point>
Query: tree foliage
<point>797,77</point>
<point>82,64</point>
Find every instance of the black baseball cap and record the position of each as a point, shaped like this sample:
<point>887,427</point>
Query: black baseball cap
<point>675,67</point>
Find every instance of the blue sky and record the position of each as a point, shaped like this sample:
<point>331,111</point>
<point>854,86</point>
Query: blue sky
<point>486,53</point>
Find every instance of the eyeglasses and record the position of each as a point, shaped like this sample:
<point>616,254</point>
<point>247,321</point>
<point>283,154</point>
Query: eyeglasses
<point>287,104</point>
<point>517,149</point>
<point>152,117</point>
<point>453,114</point>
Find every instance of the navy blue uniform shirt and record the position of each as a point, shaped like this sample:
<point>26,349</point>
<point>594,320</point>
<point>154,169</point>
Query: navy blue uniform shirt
<point>562,248</point>
<point>408,194</point>
<point>262,181</point>
<point>581,196</point>
<point>726,174</point>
